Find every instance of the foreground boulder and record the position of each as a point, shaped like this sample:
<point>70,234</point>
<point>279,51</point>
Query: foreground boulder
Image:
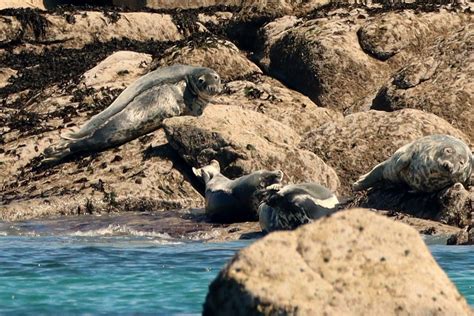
<point>356,144</point>
<point>352,263</point>
<point>244,141</point>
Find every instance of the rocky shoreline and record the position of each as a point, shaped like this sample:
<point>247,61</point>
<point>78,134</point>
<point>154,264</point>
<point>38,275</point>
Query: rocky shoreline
<point>321,92</point>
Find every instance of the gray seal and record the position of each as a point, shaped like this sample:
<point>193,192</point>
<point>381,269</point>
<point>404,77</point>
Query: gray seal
<point>229,201</point>
<point>141,108</point>
<point>286,208</point>
<point>428,164</point>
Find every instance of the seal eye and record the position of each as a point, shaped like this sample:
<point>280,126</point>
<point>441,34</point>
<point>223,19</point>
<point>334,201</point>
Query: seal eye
<point>201,81</point>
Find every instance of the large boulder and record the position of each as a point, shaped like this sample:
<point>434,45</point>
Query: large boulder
<point>342,58</point>
<point>438,80</point>
<point>268,96</point>
<point>352,263</point>
<point>353,146</point>
<point>307,56</point>
<point>221,55</point>
<point>117,71</point>
<point>76,29</point>
<point>244,141</point>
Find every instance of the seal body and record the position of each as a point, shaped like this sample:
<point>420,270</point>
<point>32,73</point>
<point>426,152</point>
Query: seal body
<point>141,108</point>
<point>286,208</point>
<point>235,200</point>
<point>428,164</point>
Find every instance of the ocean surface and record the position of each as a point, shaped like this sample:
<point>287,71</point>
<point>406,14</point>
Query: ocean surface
<point>117,271</point>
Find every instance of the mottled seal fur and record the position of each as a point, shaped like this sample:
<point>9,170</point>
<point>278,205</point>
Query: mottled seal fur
<point>141,108</point>
<point>428,164</point>
<point>234,200</point>
<point>285,208</point>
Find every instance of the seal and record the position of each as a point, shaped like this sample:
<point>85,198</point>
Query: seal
<point>141,108</point>
<point>428,164</point>
<point>235,200</point>
<point>286,208</point>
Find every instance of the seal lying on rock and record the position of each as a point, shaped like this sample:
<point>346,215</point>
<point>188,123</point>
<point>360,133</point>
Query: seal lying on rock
<point>428,164</point>
<point>141,108</point>
<point>234,200</point>
<point>285,208</point>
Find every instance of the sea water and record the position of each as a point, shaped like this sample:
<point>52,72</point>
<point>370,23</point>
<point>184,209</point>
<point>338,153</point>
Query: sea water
<point>128,274</point>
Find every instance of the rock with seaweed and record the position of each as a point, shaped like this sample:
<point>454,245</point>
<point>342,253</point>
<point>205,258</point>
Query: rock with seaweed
<point>243,141</point>
<point>438,80</point>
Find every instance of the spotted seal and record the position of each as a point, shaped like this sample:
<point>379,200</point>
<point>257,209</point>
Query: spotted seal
<point>141,108</point>
<point>428,164</point>
<point>287,207</point>
<point>234,200</point>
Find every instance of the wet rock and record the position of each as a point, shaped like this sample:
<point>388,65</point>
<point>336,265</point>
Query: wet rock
<point>353,146</point>
<point>243,141</point>
<point>438,80</point>
<point>269,97</point>
<point>221,55</point>
<point>354,262</point>
<point>464,237</point>
<point>453,206</point>
<point>117,71</point>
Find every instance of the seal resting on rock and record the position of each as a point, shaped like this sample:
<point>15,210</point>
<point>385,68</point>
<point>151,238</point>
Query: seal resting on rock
<point>428,164</point>
<point>286,208</point>
<point>234,200</point>
<point>141,108</point>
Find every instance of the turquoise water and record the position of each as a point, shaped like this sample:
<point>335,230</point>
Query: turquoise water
<point>135,274</point>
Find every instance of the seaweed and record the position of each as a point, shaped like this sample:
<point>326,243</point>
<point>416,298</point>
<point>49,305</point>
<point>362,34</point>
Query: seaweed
<point>29,19</point>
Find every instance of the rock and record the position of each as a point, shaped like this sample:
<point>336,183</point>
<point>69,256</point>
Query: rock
<point>354,262</point>
<point>244,141</point>
<point>464,237</point>
<point>173,4</point>
<point>80,28</point>
<point>453,206</point>
<point>438,80</point>
<point>273,6</point>
<point>269,97</point>
<point>306,53</point>
<point>5,4</point>
<point>356,144</point>
<point>5,75</point>
<point>405,32</point>
<point>138,176</point>
<point>117,71</point>
<point>306,57</point>
<point>221,55</point>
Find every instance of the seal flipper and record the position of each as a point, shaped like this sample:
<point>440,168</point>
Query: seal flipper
<point>371,178</point>
<point>57,152</point>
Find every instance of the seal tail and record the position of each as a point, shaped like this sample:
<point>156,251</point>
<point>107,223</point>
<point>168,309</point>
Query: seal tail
<point>370,179</point>
<point>57,152</point>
